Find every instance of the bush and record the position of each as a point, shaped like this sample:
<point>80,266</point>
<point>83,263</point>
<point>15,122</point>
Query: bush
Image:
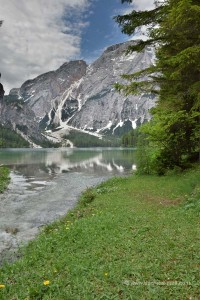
<point>88,196</point>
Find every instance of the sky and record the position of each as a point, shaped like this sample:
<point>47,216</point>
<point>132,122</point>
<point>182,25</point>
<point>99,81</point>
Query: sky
<point>38,36</point>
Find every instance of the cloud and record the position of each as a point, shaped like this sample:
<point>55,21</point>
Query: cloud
<point>38,36</point>
<point>140,33</point>
<point>143,4</point>
<point>138,5</point>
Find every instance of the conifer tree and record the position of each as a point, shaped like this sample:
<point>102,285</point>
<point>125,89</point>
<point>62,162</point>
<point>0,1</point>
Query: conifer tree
<point>173,27</point>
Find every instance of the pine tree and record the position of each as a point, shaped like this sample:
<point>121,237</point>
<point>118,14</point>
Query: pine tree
<point>174,30</point>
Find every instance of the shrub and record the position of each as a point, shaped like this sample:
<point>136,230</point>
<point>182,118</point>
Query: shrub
<point>88,196</point>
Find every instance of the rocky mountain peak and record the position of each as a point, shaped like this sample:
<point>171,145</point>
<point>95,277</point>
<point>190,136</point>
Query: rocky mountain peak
<point>83,97</point>
<point>101,108</point>
<point>113,48</point>
<point>43,92</point>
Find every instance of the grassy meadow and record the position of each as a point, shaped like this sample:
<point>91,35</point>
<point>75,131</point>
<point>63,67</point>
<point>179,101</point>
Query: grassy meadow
<point>4,178</point>
<point>129,238</point>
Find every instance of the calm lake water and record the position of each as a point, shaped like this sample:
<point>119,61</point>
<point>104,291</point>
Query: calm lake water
<point>45,184</point>
<point>102,161</point>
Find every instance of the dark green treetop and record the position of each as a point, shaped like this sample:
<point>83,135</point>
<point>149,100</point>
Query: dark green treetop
<point>173,29</point>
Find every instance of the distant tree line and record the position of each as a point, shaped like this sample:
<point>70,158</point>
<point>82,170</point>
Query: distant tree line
<point>130,138</point>
<point>85,140</point>
<point>45,143</point>
<point>10,139</point>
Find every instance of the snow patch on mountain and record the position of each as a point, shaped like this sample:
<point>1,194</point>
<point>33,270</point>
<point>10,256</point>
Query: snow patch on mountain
<point>84,97</point>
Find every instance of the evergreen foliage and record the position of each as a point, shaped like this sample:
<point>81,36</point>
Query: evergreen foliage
<point>45,143</point>
<point>130,138</point>
<point>81,139</point>
<point>175,127</point>
<point>10,139</point>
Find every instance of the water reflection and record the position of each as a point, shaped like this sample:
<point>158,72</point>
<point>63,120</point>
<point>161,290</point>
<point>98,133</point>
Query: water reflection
<point>37,162</point>
<point>46,183</point>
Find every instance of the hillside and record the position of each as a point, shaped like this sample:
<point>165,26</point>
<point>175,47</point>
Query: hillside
<point>77,96</point>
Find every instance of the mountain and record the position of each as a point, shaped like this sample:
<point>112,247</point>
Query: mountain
<point>44,93</point>
<point>100,107</point>
<point>83,97</point>
<point>16,115</point>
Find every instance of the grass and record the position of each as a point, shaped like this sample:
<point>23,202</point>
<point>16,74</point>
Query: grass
<point>4,178</point>
<point>128,238</point>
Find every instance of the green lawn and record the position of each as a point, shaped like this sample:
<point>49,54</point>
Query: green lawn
<point>129,238</point>
<point>4,179</point>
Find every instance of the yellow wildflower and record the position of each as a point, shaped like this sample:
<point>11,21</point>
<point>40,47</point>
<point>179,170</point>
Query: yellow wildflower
<point>2,286</point>
<point>46,282</point>
<point>106,274</point>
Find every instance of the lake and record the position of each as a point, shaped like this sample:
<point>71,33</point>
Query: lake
<point>46,183</point>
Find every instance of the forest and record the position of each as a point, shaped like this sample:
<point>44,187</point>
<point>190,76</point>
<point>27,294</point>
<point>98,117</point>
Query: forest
<point>10,139</point>
<point>172,138</point>
<point>85,140</point>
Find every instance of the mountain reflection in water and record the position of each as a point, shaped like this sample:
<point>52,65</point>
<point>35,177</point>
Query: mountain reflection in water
<point>33,162</point>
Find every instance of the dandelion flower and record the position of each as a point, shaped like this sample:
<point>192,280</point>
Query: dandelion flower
<point>106,274</point>
<point>46,282</point>
<point>2,286</point>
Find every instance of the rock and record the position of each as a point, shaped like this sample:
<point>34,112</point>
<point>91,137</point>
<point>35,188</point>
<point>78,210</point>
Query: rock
<point>1,91</point>
<point>84,97</point>
<point>101,107</point>
<point>43,94</point>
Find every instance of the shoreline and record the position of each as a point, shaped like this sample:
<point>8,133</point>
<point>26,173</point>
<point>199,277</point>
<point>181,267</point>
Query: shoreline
<point>37,212</point>
<point>122,234</point>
